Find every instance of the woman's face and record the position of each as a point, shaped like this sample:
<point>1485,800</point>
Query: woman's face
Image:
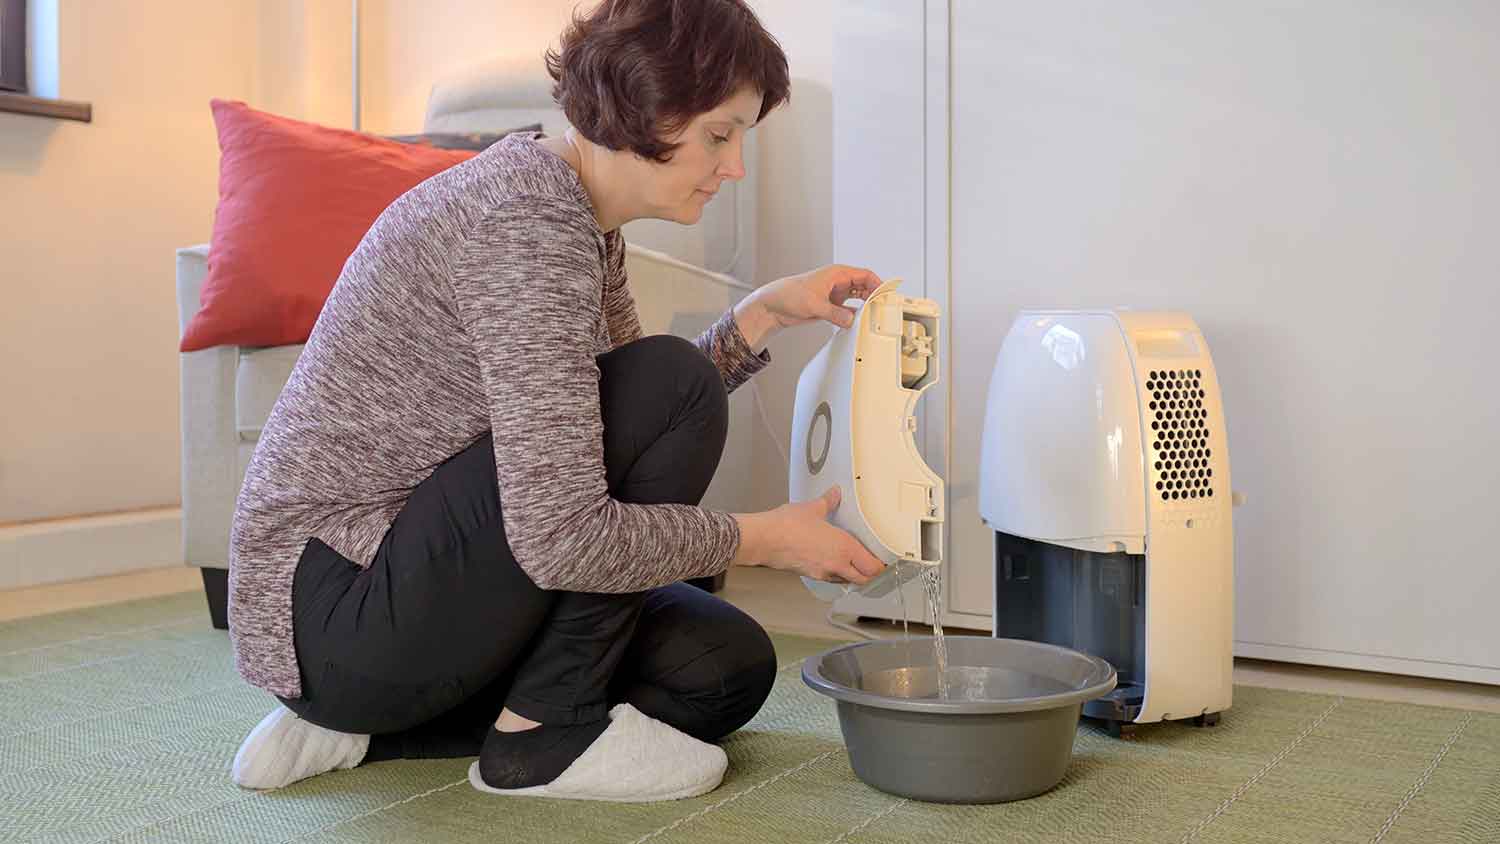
<point>711,150</point>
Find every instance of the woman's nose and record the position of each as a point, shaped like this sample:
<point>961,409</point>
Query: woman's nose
<point>733,166</point>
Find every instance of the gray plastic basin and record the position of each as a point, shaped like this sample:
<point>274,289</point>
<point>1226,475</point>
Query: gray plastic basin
<point>1005,733</point>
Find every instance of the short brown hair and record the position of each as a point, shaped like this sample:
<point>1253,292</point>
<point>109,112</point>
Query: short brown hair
<point>631,72</point>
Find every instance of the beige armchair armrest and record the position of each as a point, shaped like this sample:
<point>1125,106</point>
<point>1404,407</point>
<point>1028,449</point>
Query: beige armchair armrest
<point>210,482</point>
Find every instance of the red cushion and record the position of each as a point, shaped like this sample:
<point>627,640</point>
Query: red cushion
<point>295,199</point>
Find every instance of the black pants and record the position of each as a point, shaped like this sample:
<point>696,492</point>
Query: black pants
<point>423,648</point>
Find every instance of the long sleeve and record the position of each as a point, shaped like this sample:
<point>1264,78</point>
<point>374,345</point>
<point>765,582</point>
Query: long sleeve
<point>722,341</point>
<point>528,287</point>
<point>726,347</point>
<point>620,315</point>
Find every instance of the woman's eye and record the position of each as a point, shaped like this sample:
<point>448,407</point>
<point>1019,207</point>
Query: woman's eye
<point>718,139</point>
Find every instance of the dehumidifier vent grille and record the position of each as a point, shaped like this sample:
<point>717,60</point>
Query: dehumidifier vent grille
<point>1181,460</point>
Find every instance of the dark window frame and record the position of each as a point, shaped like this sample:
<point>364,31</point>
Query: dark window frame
<point>13,46</point>
<point>14,95</point>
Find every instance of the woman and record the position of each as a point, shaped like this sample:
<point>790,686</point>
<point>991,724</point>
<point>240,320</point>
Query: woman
<point>465,525</point>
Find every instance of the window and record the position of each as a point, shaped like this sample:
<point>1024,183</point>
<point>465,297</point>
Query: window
<point>13,45</point>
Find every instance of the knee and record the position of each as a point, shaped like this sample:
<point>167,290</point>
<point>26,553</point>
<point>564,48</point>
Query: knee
<point>746,667</point>
<point>697,378</point>
<point>669,350</point>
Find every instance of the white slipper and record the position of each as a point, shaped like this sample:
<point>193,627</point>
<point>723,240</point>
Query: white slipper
<point>284,748</point>
<point>637,759</point>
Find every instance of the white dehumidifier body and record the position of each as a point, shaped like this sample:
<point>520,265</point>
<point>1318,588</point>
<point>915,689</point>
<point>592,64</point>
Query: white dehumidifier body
<point>854,426</point>
<point>1105,476</point>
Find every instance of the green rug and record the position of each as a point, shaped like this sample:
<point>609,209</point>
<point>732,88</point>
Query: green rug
<point>119,724</point>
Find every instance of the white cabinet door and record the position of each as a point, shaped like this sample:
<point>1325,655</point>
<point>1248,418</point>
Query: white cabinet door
<point>890,198</point>
<point>1317,185</point>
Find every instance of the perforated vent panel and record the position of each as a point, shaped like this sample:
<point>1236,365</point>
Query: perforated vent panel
<point>1182,463</point>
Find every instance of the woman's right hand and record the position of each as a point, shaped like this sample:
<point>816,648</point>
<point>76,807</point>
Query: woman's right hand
<point>798,537</point>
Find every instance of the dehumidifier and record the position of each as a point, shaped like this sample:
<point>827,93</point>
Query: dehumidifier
<point>1105,478</point>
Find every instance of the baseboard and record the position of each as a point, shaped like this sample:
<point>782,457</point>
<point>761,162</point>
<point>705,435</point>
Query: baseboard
<point>89,546</point>
<point>1489,675</point>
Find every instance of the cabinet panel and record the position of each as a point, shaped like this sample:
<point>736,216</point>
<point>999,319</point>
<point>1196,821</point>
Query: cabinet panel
<point>879,185</point>
<point>1312,182</point>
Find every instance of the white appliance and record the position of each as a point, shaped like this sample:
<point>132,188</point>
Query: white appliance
<point>854,426</point>
<point>1104,474</point>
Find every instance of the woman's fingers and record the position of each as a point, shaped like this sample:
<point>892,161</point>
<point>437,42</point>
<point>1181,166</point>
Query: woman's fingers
<point>848,282</point>
<point>857,572</point>
<point>829,501</point>
<point>840,557</point>
<point>852,282</point>
<point>866,563</point>
<point>839,315</point>
<point>861,566</point>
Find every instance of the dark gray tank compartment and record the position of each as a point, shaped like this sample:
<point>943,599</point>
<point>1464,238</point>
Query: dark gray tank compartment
<point>1090,602</point>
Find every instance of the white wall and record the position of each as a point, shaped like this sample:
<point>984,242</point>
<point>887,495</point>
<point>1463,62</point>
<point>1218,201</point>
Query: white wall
<point>303,62</point>
<point>92,212</point>
<point>409,44</point>
<point>796,211</point>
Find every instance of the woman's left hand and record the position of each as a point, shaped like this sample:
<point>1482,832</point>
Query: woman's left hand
<point>818,294</point>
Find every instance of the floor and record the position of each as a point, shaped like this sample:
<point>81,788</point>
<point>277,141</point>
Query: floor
<point>779,601</point>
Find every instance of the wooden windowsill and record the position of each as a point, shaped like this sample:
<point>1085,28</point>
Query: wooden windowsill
<point>44,107</point>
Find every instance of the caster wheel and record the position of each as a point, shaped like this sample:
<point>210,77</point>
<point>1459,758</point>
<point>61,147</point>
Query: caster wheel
<point>1207,719</point>
<point>1121,730</point>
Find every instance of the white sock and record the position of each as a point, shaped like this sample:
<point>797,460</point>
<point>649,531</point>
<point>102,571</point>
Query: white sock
<point>284,748</point>
<point>637,759</point>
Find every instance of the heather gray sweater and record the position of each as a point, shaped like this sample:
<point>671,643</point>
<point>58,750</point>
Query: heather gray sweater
<point>477,301</point>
